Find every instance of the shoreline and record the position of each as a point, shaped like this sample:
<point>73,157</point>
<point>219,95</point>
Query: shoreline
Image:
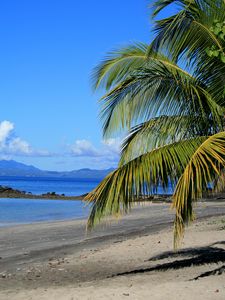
<point>8,192</point>
<point>41,197</point>
<point>60,260</point>
<point>46,222</point>
<point>143,219</point>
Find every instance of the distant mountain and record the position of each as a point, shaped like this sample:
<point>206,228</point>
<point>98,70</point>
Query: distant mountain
<point>88,173</point>
<point>14,168</point>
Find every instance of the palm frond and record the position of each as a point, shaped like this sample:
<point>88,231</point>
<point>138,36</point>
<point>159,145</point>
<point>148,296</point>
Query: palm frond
<point>159,5</point>
<point>204,165</point>
<point>158,89</point>
<point>159,132</point>
<point>211,73</point>
<point>141,176</point>
<point>189,32</point>
<point>118,64</point>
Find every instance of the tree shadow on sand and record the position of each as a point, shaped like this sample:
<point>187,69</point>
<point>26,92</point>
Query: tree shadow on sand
<point>185,258</point>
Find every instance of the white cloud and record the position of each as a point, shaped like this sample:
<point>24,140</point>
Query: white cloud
<point>10,144</point>
<point>17,145</point>
<point>6,128</point>
<point>82,151</point>
<point>107,155</point>
<point>83,148</point>
<point>109,147</point>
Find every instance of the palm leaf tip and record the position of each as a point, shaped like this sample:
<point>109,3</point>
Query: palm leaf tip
<point>118,191</point>
<point>160,5</point>
<point>204,167</point>
<point>104,201</point>
<point>117,64</point>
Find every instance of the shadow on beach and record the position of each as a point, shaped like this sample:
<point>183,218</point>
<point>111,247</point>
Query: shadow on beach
<point>190,257</point>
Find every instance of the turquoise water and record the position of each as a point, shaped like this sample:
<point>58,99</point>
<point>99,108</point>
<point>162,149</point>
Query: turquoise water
<point>25,211</point>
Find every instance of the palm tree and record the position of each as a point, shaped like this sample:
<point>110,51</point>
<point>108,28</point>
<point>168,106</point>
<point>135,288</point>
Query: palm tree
<point>169,98</point>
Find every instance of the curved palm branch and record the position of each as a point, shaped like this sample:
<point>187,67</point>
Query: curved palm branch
<point>118,64</point>
<point>159,5</point>
<point>190,30</point>
<point>159,132</point>
<point>206,163</point>
<point>158,89</point>
<point>211,72</point>
<point>141,176</point>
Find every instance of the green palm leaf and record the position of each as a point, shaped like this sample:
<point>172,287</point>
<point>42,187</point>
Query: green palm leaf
<point>189,32</point>
<point>205,164</point>
<point>141,176</point>
<point>118,63</point>
<point>158,89</point>
<point>159,132</point>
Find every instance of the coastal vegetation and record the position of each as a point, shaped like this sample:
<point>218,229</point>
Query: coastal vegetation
<point>8,192</point>
<point>168,98</point>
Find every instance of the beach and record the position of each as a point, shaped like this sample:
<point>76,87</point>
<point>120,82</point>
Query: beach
<point>130,258</point>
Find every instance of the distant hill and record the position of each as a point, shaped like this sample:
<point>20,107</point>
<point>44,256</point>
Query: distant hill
<point>14,168</point>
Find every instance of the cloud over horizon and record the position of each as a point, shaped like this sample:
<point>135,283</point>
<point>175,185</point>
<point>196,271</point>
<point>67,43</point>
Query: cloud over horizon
<point>107,154</point>
<point>10,144</point>
<point>84,148</point>
<point>82,152</point>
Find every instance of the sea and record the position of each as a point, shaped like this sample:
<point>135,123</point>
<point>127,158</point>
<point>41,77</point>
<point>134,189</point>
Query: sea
<point>25,211</point>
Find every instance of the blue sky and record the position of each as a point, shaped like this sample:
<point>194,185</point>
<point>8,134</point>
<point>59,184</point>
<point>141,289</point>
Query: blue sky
<point>49,113</point>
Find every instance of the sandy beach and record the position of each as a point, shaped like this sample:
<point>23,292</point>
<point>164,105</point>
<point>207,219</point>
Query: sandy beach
<point>132,258</point>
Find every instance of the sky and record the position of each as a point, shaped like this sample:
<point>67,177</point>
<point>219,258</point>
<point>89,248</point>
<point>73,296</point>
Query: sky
<point>49,114</point>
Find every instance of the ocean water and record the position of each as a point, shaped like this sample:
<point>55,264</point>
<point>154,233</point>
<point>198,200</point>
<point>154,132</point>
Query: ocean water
<point>40,185</point>
<point>25,211</point>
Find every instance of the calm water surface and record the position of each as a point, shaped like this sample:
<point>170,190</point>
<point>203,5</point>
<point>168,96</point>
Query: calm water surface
<point>24,211</point>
